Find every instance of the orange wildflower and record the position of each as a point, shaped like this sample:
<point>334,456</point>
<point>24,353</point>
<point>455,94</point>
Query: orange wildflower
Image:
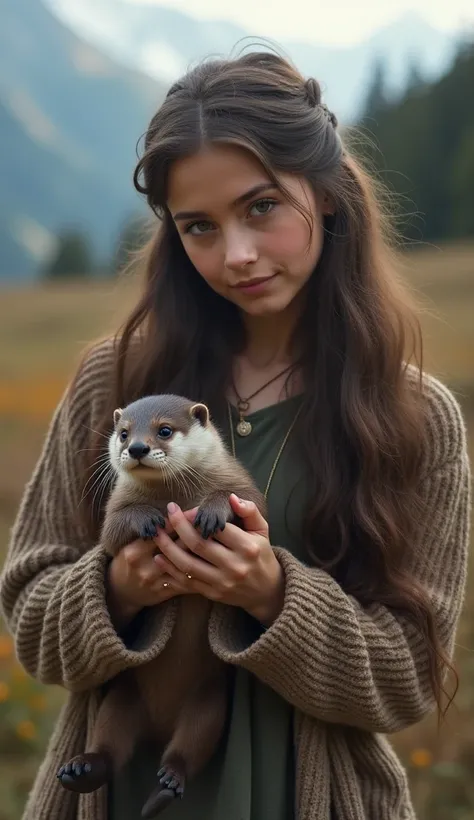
<point>26,730</point>
<point>6,647</point>
<point>421,758</point>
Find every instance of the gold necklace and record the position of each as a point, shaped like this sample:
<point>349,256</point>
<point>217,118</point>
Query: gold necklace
<point>244,428</point>
<point>280,451</point>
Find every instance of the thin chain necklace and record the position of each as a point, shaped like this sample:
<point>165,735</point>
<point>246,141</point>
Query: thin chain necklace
<point>280,451</point>
<point>244,428</point>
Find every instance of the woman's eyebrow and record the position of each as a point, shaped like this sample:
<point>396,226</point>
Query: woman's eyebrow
<point>257,189</point>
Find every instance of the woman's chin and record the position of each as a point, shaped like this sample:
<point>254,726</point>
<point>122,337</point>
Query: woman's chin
<point>272,305</point>
<point>264,308</point>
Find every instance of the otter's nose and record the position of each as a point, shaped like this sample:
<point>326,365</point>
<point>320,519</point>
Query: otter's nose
<point>138,449</point>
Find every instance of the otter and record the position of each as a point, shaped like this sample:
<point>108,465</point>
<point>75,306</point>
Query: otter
<point>165,448</point>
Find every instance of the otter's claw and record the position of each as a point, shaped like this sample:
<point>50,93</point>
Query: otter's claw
<point>171,786</point>
<point>209,522</point>
<point>84,773</point>
<point>150,526</point>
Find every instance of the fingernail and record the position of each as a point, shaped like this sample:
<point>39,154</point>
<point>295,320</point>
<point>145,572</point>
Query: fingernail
<point>172,507</point>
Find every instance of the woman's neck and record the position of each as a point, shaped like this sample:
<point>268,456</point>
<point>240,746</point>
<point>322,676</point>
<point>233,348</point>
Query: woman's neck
<point>268,355</point>
<point>268,340</point>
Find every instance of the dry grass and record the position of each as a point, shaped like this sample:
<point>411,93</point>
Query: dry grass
<point>42,333</point>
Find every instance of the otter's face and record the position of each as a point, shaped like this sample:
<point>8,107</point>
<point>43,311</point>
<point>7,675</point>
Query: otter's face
<point>168,441</point>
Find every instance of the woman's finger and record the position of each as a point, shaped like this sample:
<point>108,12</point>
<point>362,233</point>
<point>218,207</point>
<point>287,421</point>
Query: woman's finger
<point>208,549</point>
<point>185,562</point>
<point>169,587</point>
<point>190,515</point>
<point>181,584</point>
<point>248,512</point>
<point>167,568</point>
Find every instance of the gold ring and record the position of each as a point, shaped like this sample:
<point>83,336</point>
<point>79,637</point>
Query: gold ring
<point>165,585</point>
<point>189,576</point>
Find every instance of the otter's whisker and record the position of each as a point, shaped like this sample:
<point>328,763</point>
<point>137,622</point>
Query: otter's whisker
<point>98,465</point>
<point>101,489</point>
<point>175,477</point>
<point>93,478</point>
<point>193,471</point>
<point>100,461</point>
<point>91,450</point>
<point>180,479</point>
<point>97,432</point>
<point>192,476</point>
<point>98,474</point>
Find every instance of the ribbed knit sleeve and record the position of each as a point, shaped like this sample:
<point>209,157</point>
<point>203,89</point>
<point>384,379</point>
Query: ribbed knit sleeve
<point>52,587</point>
<point>367,667</point>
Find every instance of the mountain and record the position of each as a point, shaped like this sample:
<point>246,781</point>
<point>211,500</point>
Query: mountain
<point>70,119</point>
<point>163,42</point>
<point>79,80</point>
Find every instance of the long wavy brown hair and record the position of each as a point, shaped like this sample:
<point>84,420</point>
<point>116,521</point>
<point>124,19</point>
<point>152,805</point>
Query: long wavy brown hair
<point>362,420</point>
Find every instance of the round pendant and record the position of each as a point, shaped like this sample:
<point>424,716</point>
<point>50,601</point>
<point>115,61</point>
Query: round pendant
<point>244,428</point>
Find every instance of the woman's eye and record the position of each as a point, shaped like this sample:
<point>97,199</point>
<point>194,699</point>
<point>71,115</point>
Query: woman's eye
<point>165,431</point>
<point>197,228</point>
<point>123,435</point>
<point>263,206</point>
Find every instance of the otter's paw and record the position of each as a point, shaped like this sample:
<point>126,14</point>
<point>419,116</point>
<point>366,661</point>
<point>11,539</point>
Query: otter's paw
<point>171,786</point>
<point>85,773</point>
<point>210,520</point>
<point>150,526</point>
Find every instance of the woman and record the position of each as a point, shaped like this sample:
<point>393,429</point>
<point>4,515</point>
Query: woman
<point>270,294</point>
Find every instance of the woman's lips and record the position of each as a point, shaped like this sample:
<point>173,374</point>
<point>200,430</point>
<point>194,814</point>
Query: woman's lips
<point>255,285</point>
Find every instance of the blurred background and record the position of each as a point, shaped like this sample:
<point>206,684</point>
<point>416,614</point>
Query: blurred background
<point>79,80</point>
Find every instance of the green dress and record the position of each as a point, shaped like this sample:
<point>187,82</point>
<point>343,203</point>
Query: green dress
<point>251,776</point>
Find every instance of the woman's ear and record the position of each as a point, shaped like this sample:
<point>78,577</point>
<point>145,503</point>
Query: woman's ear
<point>328,206</point>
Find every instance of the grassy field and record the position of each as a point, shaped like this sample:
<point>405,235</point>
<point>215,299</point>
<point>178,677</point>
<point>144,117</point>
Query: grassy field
<point>42,332</point>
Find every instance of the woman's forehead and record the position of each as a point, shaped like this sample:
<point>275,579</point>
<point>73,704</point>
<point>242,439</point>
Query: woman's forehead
<point>221,176</point>
<point>216,173</point>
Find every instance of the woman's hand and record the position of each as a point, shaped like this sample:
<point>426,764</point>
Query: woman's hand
<point>236,567</point>
<point>135,580</point>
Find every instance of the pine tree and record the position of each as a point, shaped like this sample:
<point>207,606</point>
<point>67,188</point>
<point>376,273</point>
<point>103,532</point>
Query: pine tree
<point>72,259</point>
<point>376,99</point>
<point>414,77</point>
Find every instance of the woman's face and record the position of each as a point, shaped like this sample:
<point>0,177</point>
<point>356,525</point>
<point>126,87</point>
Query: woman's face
<point>250,244</point>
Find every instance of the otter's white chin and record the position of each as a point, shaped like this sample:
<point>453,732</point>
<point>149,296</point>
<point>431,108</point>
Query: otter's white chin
<point>153,463</point>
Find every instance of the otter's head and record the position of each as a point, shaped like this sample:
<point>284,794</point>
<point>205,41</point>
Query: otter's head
<point>160,437</point>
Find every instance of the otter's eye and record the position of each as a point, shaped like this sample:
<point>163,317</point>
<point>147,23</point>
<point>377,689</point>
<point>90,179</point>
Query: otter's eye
<point>164,431</point>
<point>123,435</point>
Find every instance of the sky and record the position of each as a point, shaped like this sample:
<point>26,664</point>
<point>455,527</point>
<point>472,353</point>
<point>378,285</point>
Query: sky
<point>318,21</point>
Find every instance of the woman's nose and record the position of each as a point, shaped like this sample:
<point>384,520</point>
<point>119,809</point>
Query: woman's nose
<point>239,251</point>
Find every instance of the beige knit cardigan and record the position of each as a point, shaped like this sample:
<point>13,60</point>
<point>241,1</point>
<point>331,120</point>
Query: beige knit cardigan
<point>351,673</point>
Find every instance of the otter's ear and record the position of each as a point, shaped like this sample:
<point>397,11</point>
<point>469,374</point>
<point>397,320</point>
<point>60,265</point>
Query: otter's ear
<point>117,415</point>
<point>200,412</point>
